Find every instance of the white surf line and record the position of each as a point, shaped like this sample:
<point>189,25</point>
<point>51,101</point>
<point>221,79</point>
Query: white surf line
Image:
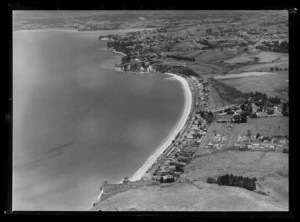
<point>178,127</point>
<point>119,52</point>
<point>98,199</point>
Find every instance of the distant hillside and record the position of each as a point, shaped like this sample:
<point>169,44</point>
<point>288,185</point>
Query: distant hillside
<point>74,19</point>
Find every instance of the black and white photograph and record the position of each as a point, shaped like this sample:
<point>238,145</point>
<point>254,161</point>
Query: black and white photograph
<point>150,110</point>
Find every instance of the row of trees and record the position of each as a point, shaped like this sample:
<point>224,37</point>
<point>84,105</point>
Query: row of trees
<point>229,93</point>
<point>277,69</point>
<point>261,99</point>
<point>237,181</point>
<point>275,100</point>
<point>180,58</point>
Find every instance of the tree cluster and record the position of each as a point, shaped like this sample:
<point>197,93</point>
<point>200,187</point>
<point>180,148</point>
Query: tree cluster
<point>168,180</point>
<point>261,99</point>
<point>285,109</point>
<point>125,59</point>
<point>257,96</point>
<point>277,69</point>
<point>237,181</point>
<point>209,31</point>
<point>121,46</point>
<point>241,118</point>
<point>275,100</point>
<point>185,71</point>
<point>179,168</point>
<point>180,58</point>
<point>208,116</point>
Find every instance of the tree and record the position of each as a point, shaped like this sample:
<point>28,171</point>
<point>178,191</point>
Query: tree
<point>276,69</point>
<point>125,59</point>
<point>253,115</point>
<point>210,180</point>
<point>209,30</point>
<point>242,107</point>
<point>161,180</point>
<point>237,118</point>
<point>270,111</point>
<point>271,69</point>
<point>179,168</point>
<point>243,117</point>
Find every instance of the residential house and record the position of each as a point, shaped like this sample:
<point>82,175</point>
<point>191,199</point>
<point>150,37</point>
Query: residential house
<point>157,178</point>
<point>169,176</point>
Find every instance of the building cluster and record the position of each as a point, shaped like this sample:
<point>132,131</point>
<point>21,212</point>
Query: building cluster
<point>185,145</point>
<point>258,142</point>
<point>137,66</point>
<point>233,113</point>
<point>224,139</point>
<point>146,50</point>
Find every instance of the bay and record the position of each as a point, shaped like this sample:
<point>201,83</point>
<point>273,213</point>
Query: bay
<point>77,122</point>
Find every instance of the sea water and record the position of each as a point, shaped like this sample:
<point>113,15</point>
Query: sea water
<point>77,122</point>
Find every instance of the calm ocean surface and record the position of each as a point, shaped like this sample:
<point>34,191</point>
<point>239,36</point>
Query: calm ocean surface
<point>77,122</point>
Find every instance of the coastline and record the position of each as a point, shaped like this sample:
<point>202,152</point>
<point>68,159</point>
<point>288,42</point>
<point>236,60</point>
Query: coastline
<point>119,52</point>
<point>176,129</point>
<point>45,30</point>
<point>101,32</point>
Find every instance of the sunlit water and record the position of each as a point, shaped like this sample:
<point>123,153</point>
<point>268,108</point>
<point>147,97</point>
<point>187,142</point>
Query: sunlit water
<point>77,122</point>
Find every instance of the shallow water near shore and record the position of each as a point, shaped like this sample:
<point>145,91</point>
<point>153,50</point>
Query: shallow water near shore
<point>77,122</point>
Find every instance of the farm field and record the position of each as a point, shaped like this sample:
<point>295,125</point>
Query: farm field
<point>274,84</point>
<point>270,169</point>
<point>263,57</point>
<point>245,74</point>
<point>263,67</point>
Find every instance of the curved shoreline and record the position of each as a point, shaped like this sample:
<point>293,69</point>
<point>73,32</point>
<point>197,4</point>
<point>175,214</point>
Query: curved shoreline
<point>176,129</point>
<point>119,52</point>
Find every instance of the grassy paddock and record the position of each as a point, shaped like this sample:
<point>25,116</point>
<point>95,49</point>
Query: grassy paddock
<point>273,84</point>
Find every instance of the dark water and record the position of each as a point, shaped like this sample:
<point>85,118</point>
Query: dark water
<point>77,123</point>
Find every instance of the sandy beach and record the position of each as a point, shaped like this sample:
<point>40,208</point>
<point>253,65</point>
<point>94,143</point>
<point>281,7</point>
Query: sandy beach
<point>177,128</point>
